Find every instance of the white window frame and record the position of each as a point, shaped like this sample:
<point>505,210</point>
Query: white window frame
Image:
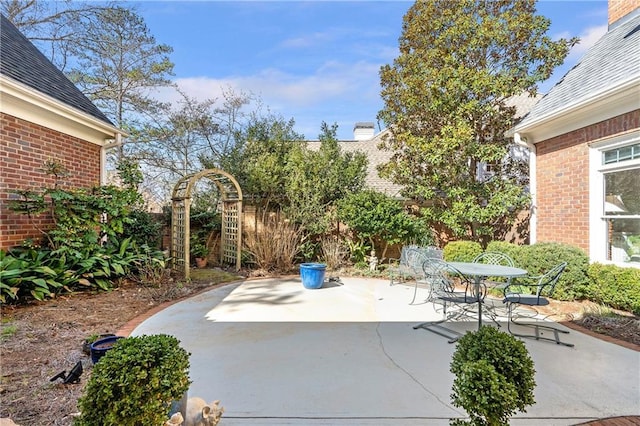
<point>597,222</point>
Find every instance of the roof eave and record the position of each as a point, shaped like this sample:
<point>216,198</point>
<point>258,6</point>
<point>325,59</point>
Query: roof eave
<point>25,102</point>
<point>613,101</point>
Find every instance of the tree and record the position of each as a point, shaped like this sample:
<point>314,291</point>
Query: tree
<point>56,27</point>
<point>318,179</point>
<point>118,63</point>
<point>372,214</point>
<point>259,161</point>
<point>190,136</point>
<point>224,128</point>
<point>445,102</point>
<point>170,147</point>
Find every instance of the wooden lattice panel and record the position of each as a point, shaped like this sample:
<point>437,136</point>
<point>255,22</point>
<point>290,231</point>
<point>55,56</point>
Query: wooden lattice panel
<point>178,235</point>
<point>229,232</point>
<point>231,236</point>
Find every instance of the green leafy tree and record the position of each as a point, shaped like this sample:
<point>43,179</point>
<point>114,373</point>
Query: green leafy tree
<point>259,163</point>
<point>318,179</point>
<point>373,215</point>
<point>446,104</point>
<point>80,215</point>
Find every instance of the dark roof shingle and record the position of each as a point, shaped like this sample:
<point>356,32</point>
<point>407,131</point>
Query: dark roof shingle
<point>614,59</point>
<point>23,62</point>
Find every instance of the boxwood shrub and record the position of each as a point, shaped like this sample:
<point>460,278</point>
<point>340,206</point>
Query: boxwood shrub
<point>495,377</point>
<point>461,251</point>
<point>135,383</point>
<point>615,286</point>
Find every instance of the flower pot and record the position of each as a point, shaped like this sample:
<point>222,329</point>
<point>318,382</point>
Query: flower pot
<point>101,346</point>
<point>201,262</point>
<point>86,345</point>
<point>312,274</point>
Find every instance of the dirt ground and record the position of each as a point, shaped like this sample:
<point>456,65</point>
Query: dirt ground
<point>42,339</point>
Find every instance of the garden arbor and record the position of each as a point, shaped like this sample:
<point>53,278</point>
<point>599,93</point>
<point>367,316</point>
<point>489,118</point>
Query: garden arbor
<point>231,231</point>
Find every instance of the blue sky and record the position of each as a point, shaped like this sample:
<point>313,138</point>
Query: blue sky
<point>313,61</point>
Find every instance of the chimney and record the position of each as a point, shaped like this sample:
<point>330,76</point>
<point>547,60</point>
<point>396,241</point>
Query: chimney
<point>364,131</point>
<point>622,8</point>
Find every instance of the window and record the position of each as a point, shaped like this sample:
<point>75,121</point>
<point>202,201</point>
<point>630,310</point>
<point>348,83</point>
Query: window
<point>621,154</point>
<point>621,207</point>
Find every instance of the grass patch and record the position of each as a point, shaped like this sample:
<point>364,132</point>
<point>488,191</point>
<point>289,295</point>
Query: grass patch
<point>214,276</point>
<point>8,330</point>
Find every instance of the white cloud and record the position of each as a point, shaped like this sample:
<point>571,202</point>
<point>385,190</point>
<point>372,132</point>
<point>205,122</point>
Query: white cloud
<point>308,40</point>
<point>336,91</point>
<point>333,81</point>
<point>588,38</point>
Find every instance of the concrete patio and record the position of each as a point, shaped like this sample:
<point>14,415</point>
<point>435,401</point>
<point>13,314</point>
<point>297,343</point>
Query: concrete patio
<point>275,353</point>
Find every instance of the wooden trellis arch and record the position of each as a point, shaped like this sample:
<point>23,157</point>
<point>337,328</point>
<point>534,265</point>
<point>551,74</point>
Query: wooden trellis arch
<point>231,233</point>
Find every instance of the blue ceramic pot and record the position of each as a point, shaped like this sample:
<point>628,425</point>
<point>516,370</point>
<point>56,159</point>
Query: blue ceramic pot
<point>312,274</point>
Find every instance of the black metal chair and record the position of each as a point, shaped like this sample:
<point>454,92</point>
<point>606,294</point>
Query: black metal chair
<point>515,297</point>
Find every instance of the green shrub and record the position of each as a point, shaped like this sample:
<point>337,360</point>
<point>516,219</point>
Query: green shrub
<point>374,216</point>
<point>615,286</point>
<point>25,273</point>
<point>135,383</point>
<point>142,228</point>
<point>358,250</point>
<point>462,251</point>
<point>510,249</point>
<point>495,377</point>
<point>539,258</point>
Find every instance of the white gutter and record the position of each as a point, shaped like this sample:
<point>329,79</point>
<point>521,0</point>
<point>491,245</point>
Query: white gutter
<point>608,102</point>
<point>103,157</point>
<point>524,142</point>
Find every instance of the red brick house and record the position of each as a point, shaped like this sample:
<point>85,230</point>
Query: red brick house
<point>43,116</point>
<point>584,141</point>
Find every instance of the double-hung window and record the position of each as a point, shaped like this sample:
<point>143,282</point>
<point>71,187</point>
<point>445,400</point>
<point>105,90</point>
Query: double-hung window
<point>620,168</point>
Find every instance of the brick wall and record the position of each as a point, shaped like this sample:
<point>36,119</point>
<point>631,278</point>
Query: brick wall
<point>620,8</point>
<point>563,180</point>
<point>24,147</point>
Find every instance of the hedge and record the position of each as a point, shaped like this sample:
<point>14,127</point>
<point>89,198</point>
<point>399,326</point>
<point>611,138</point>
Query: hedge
<point>615,286</point>
<point>461,251</point>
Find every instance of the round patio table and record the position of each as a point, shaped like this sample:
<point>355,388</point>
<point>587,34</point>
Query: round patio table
<point>480,271</point>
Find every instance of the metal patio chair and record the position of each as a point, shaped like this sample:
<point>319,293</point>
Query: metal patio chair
<point>515,298</point>
<point>455,303</point>
<point>402,271</point>
<point>495,258</point>
<point>417,263</point>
